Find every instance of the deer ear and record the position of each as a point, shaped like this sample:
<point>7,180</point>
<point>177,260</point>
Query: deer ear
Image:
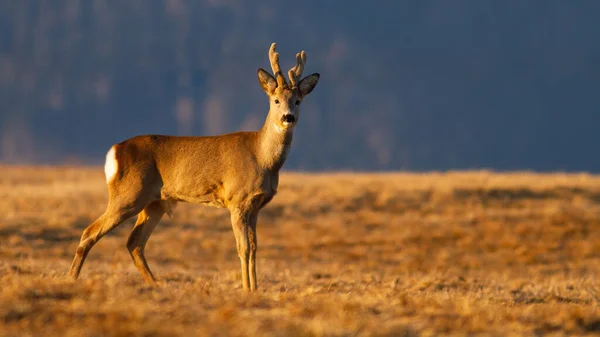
<point>267,82</point>
<point>308,83</point>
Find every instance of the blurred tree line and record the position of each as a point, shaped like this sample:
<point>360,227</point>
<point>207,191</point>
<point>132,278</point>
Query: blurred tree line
<point>405,85</point>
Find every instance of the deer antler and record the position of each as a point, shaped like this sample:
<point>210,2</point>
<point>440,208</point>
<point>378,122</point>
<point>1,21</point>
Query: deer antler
<point>296,71</point>
<point>274,59</point>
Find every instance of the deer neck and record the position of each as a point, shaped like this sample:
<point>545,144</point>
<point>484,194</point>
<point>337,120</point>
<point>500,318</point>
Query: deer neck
<point>274,145</point>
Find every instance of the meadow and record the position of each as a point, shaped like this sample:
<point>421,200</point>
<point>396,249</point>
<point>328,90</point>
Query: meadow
<point>339,254</point>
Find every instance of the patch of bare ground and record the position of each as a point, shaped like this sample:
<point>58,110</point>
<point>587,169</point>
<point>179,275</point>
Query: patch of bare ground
<point>398,254</point>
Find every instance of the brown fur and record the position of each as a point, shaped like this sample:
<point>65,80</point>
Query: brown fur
<point>238,171</point>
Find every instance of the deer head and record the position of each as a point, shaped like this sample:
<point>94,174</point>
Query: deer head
<point>285,99</point>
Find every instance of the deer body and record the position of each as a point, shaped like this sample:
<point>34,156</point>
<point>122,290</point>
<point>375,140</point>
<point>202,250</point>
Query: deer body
<point>146,175</point>
<point>226,170</point>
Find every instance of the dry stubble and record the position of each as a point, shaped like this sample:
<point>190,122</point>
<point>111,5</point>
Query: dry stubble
<point>339,254</point>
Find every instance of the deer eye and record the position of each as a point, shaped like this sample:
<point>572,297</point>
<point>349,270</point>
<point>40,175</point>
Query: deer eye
<point>276,101</point>
<point>298,102</point>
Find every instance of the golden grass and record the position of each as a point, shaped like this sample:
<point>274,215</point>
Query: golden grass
<point>460,253</point>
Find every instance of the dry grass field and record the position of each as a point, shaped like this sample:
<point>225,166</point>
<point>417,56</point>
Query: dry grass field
<point>460,253</point>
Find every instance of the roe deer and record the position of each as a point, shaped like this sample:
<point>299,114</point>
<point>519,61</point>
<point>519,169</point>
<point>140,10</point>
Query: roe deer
<point>239,171</point>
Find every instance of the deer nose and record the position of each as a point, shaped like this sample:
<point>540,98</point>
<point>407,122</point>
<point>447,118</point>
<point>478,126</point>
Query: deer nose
<point>288,118</point>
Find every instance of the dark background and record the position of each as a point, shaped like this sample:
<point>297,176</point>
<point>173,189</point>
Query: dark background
<point>411,85</point>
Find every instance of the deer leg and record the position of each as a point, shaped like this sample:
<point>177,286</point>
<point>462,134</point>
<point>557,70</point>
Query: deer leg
<point>239,222</point>
<point>112,217</point>
<point>145,224</point>
<point>252,240</point>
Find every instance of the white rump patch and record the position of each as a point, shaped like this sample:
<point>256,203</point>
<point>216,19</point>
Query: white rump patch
<point>111,166</point>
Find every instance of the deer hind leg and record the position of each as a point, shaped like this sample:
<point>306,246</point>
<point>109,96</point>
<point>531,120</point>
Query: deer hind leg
<point>145,224</point>
<point>112,217</point>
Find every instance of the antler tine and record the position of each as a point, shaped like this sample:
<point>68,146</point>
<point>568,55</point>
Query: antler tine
<point>296,72</point>
<point>274,59</point>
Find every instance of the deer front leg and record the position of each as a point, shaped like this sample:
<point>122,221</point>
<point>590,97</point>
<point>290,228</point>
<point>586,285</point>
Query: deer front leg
<point>239,222</point>
<point>252,240</point>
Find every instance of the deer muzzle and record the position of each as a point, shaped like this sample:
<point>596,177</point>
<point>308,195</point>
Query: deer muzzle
<point>288,119</point>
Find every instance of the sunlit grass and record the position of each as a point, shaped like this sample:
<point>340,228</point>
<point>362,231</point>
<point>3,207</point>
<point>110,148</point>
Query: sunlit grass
<point>339,254</point>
